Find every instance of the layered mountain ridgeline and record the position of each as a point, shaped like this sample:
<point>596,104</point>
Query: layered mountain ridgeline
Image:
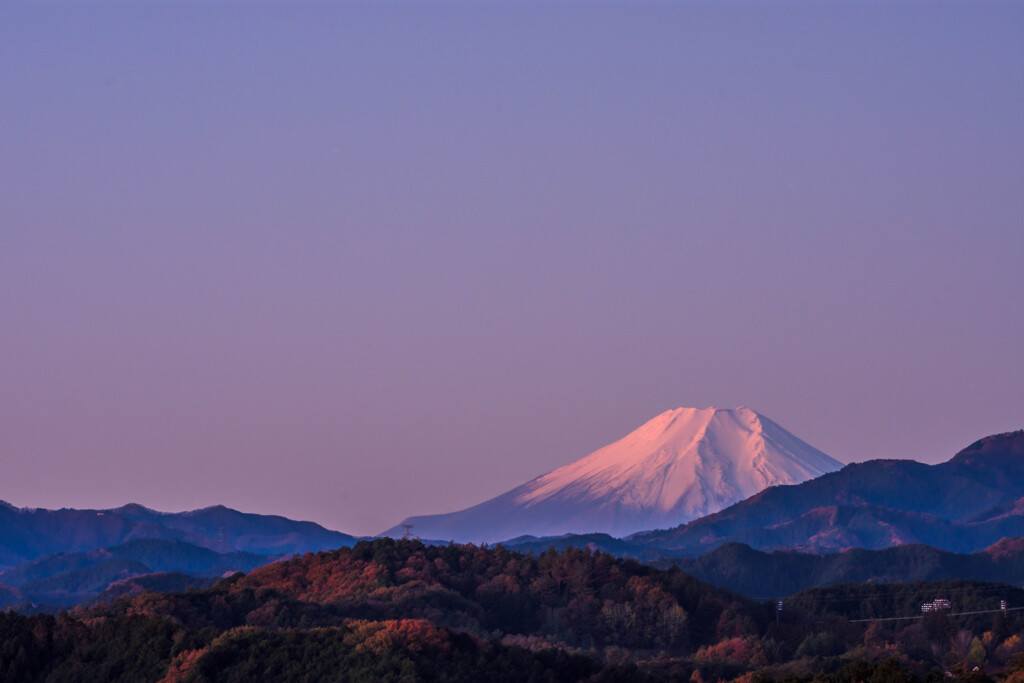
<point>161,582</point>
<point>159,556</point>
<point>775,574</point>
<point>65,579</point>
<point>400,610</point>
<point>592,542</point>
<point>963,505</point>
<point>678,466</point>
<point>29,533</point>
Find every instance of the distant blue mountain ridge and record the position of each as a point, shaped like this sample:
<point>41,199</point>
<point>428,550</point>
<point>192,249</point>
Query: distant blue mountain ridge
<point>57,558</point>
<point>30,533</point>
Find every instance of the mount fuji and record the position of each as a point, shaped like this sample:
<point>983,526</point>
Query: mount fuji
<point>681,465</point>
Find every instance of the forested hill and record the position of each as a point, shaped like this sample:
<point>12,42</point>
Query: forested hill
<point>755,573</point>
<point>394,608</point>
<point>575,597</point>
<point>978,600</point>
<point>401,610</point>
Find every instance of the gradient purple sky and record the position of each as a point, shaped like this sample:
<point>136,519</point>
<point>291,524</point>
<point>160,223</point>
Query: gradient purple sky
<point>353,262</point>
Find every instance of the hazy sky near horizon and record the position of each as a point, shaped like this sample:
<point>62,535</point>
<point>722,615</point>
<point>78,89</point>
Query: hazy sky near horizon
<point>351,262</point>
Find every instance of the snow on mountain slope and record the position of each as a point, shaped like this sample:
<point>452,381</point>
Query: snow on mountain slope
<point>681,465</point>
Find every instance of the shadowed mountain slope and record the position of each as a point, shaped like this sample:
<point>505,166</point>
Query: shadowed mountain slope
<point>65,579</point>
<point>962,505</point>
<point>30,533</point>
<point>775,574</point>
<point>156,555</point>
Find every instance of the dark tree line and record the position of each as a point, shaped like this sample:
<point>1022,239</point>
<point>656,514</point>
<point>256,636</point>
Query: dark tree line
<point>403,611</point>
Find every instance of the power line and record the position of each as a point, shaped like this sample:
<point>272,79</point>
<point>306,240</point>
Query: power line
<point>880,592</point>
<point>949,614</point>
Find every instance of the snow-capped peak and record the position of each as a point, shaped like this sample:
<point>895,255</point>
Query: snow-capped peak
<point>682,464</point>
<point>688,460</point>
